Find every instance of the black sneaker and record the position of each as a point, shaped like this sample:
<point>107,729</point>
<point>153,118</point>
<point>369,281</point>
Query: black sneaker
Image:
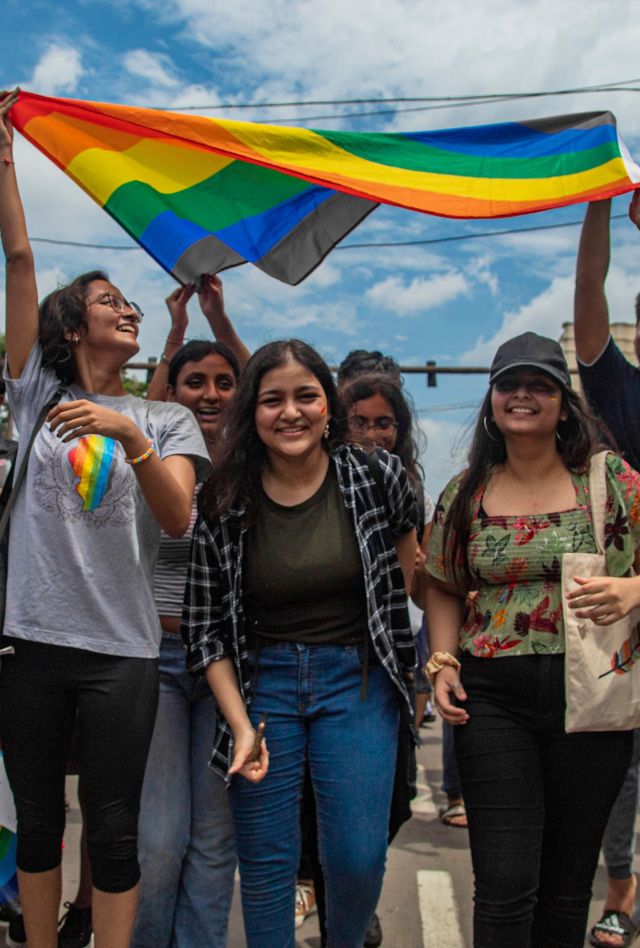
<point>75,928</point>
<point>16,934</point>
<point>9,910</point>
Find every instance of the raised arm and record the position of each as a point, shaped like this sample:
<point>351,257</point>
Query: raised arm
<point>212,305</point>
<point>591,312</point>
<point>21,290</point>
<point>177,306</point>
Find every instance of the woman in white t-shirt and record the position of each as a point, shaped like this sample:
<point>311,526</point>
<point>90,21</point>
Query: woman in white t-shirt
<point>107,471</point>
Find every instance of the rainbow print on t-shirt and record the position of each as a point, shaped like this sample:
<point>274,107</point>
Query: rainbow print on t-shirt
<point>91,459</point>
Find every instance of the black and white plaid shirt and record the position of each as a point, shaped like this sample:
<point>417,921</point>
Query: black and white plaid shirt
<point>213,618</point>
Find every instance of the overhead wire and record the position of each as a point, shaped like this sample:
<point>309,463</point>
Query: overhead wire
<point>355,246</point>
<point>621,84</point>
<point>433,103</point>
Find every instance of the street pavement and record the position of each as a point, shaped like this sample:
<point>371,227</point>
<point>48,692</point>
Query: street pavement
<point>426,900</point>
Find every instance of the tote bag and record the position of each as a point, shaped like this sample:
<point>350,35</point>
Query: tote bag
<point>602,662</point>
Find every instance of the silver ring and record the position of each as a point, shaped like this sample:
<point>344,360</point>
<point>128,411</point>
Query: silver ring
<point>456,684</point>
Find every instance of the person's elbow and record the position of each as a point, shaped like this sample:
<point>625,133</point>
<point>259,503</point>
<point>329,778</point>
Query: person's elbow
<point>175,521</point>
<point>19,257</point>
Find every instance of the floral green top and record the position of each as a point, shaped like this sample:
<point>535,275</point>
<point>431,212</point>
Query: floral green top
<point>517,563</point>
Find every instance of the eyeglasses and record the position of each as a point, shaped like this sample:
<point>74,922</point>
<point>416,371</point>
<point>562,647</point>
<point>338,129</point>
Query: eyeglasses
<point>118,304</point>
<point>362,426</point>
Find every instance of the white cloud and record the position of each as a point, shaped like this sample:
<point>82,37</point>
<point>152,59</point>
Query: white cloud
<point>153,67</point>
<point>58,70</point>
<point>479,269</point>
<point>546,313</point>
<point>414,47</point>
<point>445,452</point>
<point>418,295</point>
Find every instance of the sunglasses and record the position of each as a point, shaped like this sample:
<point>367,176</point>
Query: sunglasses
<point>538,385</point>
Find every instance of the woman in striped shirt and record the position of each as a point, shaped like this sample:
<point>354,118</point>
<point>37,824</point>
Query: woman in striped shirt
<point>187,843</point>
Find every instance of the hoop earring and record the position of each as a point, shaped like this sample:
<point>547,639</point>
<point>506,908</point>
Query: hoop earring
<point>486,428</point>
<point>63,355</point>
<point>567,441</point>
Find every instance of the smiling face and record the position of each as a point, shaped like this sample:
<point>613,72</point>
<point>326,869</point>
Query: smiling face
<point>105,327</point>
<point>291,412</point>
<point>206,386</point>
<point>527,402</point>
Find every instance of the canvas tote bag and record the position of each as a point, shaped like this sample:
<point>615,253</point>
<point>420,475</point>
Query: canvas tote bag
<point>602,662</point>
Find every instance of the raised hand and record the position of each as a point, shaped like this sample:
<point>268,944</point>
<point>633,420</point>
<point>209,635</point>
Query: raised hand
<point>211,296</point>
<point>177,306</point>
<point>7,100</point>
<point>634,208</point>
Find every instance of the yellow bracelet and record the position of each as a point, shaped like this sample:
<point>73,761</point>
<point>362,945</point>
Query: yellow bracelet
<point>437,662</point>
<point>142,457</point>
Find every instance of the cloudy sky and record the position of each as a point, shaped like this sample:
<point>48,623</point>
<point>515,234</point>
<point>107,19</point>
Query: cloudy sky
<point>452,301</point>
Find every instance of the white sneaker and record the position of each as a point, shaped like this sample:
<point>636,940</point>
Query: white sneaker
<point>305,901</point>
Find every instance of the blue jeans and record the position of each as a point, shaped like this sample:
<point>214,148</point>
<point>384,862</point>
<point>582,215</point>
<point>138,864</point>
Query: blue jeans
<point>310,695</point>
<point>186,839</point>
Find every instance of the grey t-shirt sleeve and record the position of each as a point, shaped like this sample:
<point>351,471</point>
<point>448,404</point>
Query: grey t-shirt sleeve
<point>174,430</point>
<point>29,393</point>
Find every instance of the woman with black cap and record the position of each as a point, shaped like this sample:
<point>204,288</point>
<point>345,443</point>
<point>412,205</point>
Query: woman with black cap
<point>537,798</point>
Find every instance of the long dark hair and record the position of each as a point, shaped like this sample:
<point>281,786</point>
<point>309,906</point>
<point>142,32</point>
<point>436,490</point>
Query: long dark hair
<point>578,438</point>
<point>194,351</point>
<point>236,477</point>
<point>63,311</point>
<point>377,383</point>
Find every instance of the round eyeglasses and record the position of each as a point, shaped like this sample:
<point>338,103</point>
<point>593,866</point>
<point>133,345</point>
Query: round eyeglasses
<point>362,426</point>
<point>118,304</point>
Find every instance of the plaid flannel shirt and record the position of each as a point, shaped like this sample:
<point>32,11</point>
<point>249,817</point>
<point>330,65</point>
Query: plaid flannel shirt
<point>213,617</point>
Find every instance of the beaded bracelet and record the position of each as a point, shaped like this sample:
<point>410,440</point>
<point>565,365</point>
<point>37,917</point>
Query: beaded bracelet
<point>142,457</point>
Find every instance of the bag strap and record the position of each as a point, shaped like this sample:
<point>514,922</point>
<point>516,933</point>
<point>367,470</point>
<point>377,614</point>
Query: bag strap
<point>14,484</point>
<point>598,496</point>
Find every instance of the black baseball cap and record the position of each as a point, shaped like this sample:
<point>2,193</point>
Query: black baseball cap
<point>531,351</point>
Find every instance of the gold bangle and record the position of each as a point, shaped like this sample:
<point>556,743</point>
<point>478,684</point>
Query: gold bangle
<point>142,457</point>
<point>437,662</point>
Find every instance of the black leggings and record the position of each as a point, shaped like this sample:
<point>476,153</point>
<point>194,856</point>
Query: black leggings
<point>42,687</point>
<point>537,800</point>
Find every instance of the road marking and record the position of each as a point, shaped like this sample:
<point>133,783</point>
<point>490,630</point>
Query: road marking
<point>423,804</point>
<point>440,923</point>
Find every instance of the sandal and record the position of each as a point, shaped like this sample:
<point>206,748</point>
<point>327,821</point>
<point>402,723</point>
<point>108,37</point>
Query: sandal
<point>452,812</point>
<point>613,923</point>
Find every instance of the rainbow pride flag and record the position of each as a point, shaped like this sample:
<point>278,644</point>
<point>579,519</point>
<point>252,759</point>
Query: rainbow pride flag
<point>204,194</point>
